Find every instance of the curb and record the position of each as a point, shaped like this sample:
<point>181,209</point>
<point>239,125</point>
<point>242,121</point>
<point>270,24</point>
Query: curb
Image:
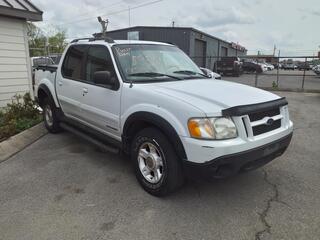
<point>20,141</point>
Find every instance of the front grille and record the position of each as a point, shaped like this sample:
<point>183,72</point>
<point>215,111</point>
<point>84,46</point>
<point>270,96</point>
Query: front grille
<point>257,130</point>
<point>263,128</point>
<point>259,115</point>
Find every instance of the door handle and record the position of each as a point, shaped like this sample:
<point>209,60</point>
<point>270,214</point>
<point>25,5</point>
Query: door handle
<point>60,83</point>
<point>84,91</point>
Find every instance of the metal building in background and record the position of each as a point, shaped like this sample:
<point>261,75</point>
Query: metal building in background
<point>199,45</point>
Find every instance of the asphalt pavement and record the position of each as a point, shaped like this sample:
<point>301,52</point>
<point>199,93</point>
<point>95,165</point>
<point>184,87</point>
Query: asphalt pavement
<point>288,79</point>
<point>61,187</point>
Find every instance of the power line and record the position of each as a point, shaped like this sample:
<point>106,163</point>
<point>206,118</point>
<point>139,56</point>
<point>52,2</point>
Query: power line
<point>93,11</point>
<point>112,13</point>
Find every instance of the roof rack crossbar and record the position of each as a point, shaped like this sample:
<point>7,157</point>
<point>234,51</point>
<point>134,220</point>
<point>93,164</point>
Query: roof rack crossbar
<point>106,39</point>
<point>78,39</point>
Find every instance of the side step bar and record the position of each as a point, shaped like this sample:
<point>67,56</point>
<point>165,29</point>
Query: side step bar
<point>90,139</point>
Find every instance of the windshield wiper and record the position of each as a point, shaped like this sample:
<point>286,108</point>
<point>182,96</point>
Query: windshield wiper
<point>189,72</point>
<point>153,74</point>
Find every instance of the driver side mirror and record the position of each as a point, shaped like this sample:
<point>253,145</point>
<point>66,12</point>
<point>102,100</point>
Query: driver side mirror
<point>103,78</point>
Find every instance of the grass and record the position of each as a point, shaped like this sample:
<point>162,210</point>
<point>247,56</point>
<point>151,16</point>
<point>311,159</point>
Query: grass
<point>19,115</point>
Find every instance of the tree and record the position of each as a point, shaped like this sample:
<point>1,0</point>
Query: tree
<point>57,42</point>
<point>41,44</point>
<point>36,40</point>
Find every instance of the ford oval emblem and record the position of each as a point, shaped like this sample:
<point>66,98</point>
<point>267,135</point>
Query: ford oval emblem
<point>269,122</point>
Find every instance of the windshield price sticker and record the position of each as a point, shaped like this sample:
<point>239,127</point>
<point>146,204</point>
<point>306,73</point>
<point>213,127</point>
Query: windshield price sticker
<point>123,51</point>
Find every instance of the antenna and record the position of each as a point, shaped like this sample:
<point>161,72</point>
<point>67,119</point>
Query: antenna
<point>104,25</point>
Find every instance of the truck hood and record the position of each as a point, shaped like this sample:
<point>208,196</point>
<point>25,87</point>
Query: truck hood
<point>211,96</point>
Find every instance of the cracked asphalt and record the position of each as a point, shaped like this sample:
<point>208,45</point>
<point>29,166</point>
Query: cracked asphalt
<point>61,187</point>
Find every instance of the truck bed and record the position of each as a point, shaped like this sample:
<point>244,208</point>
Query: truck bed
<point>45,73</point>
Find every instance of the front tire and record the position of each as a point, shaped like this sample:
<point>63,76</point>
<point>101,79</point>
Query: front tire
<point>157,166</point>
<point>50,116</point>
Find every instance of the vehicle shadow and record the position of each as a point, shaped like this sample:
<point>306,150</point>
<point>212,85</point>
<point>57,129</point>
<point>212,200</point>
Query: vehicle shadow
<point>230,186</point>
<point>237,188</point>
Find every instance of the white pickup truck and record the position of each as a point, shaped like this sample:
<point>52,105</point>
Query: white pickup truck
<point>150,101</point>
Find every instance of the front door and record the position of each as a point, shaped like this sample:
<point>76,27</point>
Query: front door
<point>100,104</point>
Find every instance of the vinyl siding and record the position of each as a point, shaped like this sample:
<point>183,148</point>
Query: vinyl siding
<point>13,75</point>
<point>13,68</point>
<point>12,46</point>
<point>15,72</point>
<point>10,61</point>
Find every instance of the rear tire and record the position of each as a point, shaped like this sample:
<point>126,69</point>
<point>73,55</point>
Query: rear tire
<point>156,164</point>
<point>50,116</point>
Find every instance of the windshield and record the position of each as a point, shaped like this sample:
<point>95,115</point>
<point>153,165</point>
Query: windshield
<point>150,62</point>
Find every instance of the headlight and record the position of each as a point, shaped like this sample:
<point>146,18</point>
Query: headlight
<point>212,128</point>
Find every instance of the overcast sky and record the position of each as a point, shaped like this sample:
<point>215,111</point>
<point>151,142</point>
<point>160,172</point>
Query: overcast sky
<point>291,25</point>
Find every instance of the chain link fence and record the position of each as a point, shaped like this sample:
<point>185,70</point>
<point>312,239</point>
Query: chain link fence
<point>294,73</point>
<point>46,52</point>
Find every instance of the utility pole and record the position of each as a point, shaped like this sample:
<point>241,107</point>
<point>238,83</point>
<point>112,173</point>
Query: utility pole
<point>104,25</point>
<point>237,49</point>
<point>129,16</point>
<point>278,67</point>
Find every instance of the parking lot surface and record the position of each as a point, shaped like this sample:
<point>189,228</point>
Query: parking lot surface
<point>61,187</point>
<point>288,79</point>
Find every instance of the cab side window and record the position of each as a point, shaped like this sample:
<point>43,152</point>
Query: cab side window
<point>99,59</point>
<point>72,65</point>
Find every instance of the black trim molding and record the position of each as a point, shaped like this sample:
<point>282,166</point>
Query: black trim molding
<point>157,121</point>
<point>231,164</point>
<point>51,68</point>
<point>252,108</point>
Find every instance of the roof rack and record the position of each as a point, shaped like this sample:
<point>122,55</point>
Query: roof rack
<point>78,39</point>
<point>91,39</point>
<point>171,43</point>
<point>105,38</point>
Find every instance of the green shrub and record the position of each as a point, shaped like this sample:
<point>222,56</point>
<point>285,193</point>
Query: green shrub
<point>274,85</point>
<point>22,113</point>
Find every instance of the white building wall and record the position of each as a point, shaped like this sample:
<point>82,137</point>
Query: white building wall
<point>15,71</point>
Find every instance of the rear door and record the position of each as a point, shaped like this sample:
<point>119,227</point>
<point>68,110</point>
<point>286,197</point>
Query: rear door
<point>100,104</point>
<point>69,86</point>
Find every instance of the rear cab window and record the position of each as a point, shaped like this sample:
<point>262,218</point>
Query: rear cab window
<point>42,61</point>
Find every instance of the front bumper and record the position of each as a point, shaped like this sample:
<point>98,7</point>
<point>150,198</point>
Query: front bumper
<point>231,164</point>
